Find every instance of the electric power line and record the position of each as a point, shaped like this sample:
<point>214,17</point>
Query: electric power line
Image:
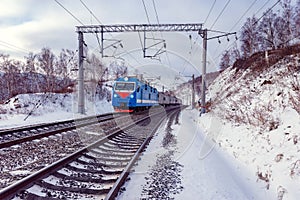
<point>90,12</point>
<point>145,9</point>
<point>220,14</point>
<point>195,41</point>
<point>243,15</point>
<point>266,12</point>
<point>69,12</point>
<point>262,6</point>
<point>14,47</point>
<point>153,2</point>
<point>234,43</point>
<point>211,8</point>
<point>157,18</point>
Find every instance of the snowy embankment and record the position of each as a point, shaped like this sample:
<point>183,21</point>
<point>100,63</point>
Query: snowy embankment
<point>190,166</point>
<point>255,117</point>
<point>28,109</point>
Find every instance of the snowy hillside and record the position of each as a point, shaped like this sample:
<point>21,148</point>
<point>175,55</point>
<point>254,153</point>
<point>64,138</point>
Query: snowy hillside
<point>255,115</point>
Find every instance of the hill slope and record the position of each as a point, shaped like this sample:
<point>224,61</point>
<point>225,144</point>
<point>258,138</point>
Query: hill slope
<point>255,116</point>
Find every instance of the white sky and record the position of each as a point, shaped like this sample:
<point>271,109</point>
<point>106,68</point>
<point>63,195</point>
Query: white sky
<point>29,25</point>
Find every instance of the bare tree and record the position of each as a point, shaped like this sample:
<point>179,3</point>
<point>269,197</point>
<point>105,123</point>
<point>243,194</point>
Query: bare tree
<point>63,67</point>
<point>30,63</point>
<point>225,60</point>
<point>268,32</point>
<point>285,24</point>
<point>46,62</point>
<point>249,37</point>
<point>11,69</point>
<point>229,57</point>
<point>297,20</point>
<point>118,69</point>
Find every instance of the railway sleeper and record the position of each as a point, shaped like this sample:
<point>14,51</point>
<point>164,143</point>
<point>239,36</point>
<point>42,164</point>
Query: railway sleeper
<point>109,149</point>
<point>102,171</point>
<point>120,147</point>
<point>127,140</point>
<point>98,153</point>
<point>102,163</point>
<point>109,157</point>
<point>85,178</point>
<point>72,189</point>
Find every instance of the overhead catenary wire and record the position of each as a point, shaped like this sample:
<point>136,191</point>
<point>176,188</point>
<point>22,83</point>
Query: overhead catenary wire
<point>96,34</point>
<point>191,55</point>
<point>220,14</point>
<point>157,19</point>
<point>240,19</point>
<point>90,12</point>
<point>148,19</point>
<point>235,42</point>
<point>210,10</point>
<point>69,12</point>
<point>262,7</point>
<point>267,12</point>
<point>14,47</point>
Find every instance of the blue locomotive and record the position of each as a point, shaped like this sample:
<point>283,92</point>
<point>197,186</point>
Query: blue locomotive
<point>130,94</point>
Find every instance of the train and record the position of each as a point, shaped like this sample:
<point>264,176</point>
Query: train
<point>130,94</point>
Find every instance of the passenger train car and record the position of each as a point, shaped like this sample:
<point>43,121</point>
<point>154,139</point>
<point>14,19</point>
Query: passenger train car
<point>130,94</point>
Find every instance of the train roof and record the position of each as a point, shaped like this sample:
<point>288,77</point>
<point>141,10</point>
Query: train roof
<point>134,79</point>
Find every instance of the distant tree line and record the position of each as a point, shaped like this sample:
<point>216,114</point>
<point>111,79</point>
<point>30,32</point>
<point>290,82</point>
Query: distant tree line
<point>274,30</point>
<point>40,73</point>
<point>44,72</point>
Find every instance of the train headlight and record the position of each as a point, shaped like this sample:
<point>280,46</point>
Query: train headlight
<point>131,96</point>
<point>115,95</point>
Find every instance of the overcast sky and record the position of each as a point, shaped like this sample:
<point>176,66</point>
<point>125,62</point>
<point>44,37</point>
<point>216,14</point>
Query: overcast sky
<point>29,25</point>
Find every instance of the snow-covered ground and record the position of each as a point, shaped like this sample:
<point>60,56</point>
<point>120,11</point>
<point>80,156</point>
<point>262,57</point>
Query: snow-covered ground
<point>255,116</point>
<point>246,147</point>
<point>26,109</point>
<point>272,157</point>
<point>200,169</point>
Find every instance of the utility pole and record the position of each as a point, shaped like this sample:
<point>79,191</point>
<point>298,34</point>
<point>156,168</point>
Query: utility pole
<point>204,36</point>
<point>193,92</point>
<point>80,75</point>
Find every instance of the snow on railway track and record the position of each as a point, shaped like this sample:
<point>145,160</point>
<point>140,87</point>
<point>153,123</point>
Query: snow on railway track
<point>91,171</point>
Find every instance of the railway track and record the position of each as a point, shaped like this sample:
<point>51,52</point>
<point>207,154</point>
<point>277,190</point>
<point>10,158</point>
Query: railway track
<point>94,172</point>
<point>23,134</point>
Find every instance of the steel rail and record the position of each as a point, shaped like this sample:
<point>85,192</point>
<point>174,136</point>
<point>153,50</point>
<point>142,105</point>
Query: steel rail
<point>122,178</point>
<point>12,190</point>
<point>53,132</point>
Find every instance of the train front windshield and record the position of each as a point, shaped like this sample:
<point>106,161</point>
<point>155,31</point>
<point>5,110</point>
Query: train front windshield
<point>124,86</point>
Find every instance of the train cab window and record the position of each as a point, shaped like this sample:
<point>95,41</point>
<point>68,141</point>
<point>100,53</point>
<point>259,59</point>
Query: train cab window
<point>149,96</point>
<point>124,86</point>
<point>138,89</point>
